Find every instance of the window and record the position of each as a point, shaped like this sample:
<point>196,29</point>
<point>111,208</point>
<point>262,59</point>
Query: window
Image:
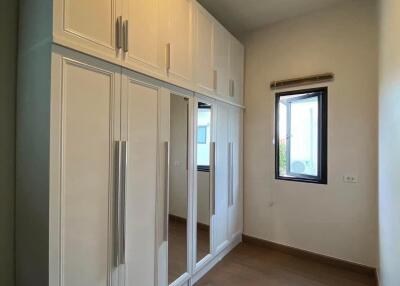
<point>203,137</point>
<point>301,136</point>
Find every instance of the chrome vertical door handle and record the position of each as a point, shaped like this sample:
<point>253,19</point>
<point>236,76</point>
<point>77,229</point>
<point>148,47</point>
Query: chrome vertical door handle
<point>124,160</point>
<point>232,88</point>
<point>168,57</point>
<point>212,177</point>
<point>231,174</point>
<point>116,228</point>
<point>215,80</point>
<point>119,33</point>
<point>126,36</point>
<point>166,190</point>
<point>187,133</point>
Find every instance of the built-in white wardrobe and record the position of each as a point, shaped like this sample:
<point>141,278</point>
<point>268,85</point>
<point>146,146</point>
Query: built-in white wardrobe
<point>129,143</point>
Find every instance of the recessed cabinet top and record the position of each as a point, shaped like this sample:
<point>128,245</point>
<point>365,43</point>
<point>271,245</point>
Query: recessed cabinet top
<point>176,41</point>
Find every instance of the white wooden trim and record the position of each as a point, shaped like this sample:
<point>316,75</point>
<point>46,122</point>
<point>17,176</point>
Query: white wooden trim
<point>378,277</point>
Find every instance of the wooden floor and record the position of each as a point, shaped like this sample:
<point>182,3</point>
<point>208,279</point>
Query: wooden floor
<point>251,265</point>
<point>177,250</point>
<point>177,247</point>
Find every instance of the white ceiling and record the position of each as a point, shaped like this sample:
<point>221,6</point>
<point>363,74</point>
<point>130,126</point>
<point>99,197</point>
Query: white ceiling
<point>241,16</point>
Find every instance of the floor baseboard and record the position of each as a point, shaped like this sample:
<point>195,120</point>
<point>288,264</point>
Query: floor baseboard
<point>355,267</point>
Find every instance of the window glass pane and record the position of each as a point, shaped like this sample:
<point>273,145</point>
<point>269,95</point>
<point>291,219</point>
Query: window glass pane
<point>203,136</point>
<point>304,136</point>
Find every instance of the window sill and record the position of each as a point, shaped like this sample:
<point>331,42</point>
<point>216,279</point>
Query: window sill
<point>302,180</point>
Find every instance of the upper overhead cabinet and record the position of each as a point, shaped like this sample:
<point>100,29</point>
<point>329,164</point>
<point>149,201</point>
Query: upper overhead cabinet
<point>236,77</point>
<point>144,46</point>
<point>204,50</point>
<point>179,46</point>
<point>92,27</point>
<point>221,60</point>
<point>177,41</point>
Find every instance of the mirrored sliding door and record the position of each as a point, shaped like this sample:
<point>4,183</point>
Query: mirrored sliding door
<point>178,215</point>
<point>204,161</point>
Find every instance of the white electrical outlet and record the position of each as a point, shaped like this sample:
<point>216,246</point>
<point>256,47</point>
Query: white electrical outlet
<point>350,179</point>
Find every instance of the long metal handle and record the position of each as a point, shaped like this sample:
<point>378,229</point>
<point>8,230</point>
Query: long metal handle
<point>232,88</point>
<point>229,173</point>
<point>166,190</point>
<point>215,80</point>
<point>119,33</point>
<point>232,176</point>
<point>126,36</point>
<point>212,177</point>
<point>187,133</point>
<point>124,160</point>
<point>168,57</point>
<point>116,228</point>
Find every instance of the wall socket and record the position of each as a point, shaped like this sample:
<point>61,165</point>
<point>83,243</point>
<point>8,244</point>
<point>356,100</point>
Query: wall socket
<point>350,179</point>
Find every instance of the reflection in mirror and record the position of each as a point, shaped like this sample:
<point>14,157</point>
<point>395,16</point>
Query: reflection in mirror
<point>203,179</point>
<point>178,189</point>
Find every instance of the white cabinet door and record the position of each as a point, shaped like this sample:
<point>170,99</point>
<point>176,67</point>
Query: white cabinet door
<point>221,60</point>
<point>85,126</point>
<point>204,51</point>
<point>145,48</point>
<point>140,103</point>
<point>220,219</point>
<point>88,26</point>
<point>180,42</point>
<point>236,71</point>
<point>235,195</point>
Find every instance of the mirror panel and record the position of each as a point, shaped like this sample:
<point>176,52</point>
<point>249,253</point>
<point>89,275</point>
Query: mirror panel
<point>204,122</point>
<point>178,188</point>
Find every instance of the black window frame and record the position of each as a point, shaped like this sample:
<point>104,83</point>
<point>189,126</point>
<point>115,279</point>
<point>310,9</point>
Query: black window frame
<point>322,94</point>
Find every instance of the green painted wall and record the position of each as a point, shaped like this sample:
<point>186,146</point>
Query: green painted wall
<point>8,56</point>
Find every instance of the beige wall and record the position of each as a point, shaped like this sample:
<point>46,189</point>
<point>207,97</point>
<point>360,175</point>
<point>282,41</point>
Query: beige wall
<point>389,143</point>
<point>8,50</point>
<point>338,220</point>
